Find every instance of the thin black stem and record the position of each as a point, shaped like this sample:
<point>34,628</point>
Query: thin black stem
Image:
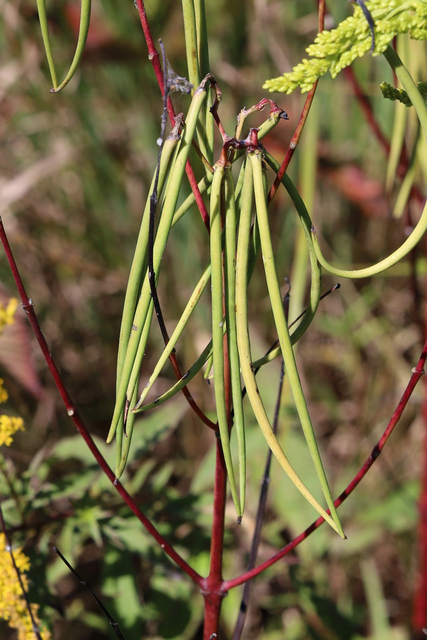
<point>114,625</point>
<point>18,575</point>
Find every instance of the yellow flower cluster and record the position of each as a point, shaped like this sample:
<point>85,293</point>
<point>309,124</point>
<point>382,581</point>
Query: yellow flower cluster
<point>336,49</point>
<point>8,425</point>
<point>7,314</point>
<point>13,607</point>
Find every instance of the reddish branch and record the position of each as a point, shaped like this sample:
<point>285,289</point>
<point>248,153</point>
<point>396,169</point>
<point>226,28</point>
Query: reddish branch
<point>301,122</point>
<point>420,597</point>
<point>28,306</point>
<point>417,373</point>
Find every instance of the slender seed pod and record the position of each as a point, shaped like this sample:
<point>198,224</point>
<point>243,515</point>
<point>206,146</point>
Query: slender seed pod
<point>283,334</point>
<point>122,453</point>
<point>140,258</point>
<point>381,266</point>
<point>230,314</point>
<point>218,326</point>
<point>179,384</point>
<point>245,348</point>
<point>134,352</point>
<point>314,265</point>
<point>182,323</point>
<point>81,42</point>
<point>41,8</point>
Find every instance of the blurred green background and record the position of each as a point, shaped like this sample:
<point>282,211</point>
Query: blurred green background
<point>74,173</point>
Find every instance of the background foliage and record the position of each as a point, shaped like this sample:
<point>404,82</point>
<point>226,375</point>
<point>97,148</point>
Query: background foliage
<point>75,171</point>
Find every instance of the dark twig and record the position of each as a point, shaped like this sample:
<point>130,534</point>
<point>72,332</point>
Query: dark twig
<point>114,625</point>
<point>18,575</point>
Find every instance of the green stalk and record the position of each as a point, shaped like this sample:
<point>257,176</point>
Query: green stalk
<point>218,327</point>
<point>202,36</point>
<point>283,334</point>
<point>245,348</point>
<point>191,44</point>
<point>233,352</point>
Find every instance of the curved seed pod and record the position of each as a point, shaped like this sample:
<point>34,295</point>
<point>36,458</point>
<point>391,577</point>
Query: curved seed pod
<point>316,275</point>
<point>182,323</point>
<point>283,334</point>
<point>134,354</point>
<point>245,349</point>
<point>230,315</point>
<point>81,42</point>
<point>381,266</point>
<point>218,327</point>
<point>41,9</point>
<point>315,269</point>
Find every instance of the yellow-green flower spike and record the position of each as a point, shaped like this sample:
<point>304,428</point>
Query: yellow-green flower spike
<point>336,49</point>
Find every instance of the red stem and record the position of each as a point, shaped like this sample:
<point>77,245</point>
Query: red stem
<point>301,122</point>
<point>153,56</point>
<point>417,372</point>
<point>420,596</point>
<point>28,307</point>
<point>212,586</point>
<point>419,614</point>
